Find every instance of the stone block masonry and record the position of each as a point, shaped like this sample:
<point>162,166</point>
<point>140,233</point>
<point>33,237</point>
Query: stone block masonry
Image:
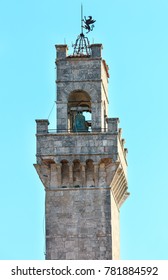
<point>78,224</point>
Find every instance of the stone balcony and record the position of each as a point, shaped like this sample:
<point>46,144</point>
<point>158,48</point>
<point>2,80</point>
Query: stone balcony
<point>55,145</point>
<point>96,158</point>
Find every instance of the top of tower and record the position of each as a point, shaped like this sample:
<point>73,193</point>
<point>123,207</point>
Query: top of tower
<point>82,45</point>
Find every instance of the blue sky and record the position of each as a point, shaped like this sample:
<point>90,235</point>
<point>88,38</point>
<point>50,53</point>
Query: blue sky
<point>135,40</point>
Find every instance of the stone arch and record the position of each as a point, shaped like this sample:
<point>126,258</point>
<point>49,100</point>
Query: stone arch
<point>64,173</point>
<point>93,117</point>
<point>79,95</point>
<point>91,89</point>
<point>79,103</point>
<point>89,171</point>
<point>106,161</point>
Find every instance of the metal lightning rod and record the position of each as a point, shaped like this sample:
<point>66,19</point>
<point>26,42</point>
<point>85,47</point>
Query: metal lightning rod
<point>81,18</point>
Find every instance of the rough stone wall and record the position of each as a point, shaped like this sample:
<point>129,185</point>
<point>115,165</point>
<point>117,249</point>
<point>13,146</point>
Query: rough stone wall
<point>78,69</point>
<point>78,224</point>
<point>66,146</point>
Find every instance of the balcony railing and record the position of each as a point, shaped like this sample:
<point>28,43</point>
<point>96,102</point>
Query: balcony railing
<point>55,131</point>
<point>42,127</point>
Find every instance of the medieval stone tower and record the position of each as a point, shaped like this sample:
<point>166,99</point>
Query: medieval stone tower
<point>82,164</point>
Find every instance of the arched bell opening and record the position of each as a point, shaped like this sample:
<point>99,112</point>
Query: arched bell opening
<point>79,111</point>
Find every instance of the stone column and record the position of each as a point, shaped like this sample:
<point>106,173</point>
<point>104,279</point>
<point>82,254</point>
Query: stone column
<point>96,116</point>
<point>62,117</point>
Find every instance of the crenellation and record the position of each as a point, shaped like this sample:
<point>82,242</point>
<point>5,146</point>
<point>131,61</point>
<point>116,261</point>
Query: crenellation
<point>42,126</point>
<point>61,51</point>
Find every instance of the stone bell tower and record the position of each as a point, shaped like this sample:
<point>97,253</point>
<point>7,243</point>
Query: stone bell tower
<point>82,164</point>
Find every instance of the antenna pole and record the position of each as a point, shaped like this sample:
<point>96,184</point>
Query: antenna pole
<point>81,19</point>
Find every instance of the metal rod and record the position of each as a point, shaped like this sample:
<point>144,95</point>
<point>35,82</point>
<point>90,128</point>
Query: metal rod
<point>81,18</point>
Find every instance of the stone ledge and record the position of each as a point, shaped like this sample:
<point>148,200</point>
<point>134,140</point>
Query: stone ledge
<point>78,189</point>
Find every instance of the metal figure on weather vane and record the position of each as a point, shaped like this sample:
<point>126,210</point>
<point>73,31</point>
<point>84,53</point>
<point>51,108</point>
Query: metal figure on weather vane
<point>81,46</point>
<point>89,22</point>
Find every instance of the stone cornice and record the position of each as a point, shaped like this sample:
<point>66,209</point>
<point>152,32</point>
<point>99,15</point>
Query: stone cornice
<point>119,186</point>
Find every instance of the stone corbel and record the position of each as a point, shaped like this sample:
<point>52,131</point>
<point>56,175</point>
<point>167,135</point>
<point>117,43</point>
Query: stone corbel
<point>71,173</point>
<point>96,174</point>
<point>83,167</point>
<point>44,173</point>
<point>59,177</point>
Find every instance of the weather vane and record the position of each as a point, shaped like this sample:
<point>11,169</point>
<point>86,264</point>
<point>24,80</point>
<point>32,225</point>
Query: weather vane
<point>88,23</point>
<point>81,45</point>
